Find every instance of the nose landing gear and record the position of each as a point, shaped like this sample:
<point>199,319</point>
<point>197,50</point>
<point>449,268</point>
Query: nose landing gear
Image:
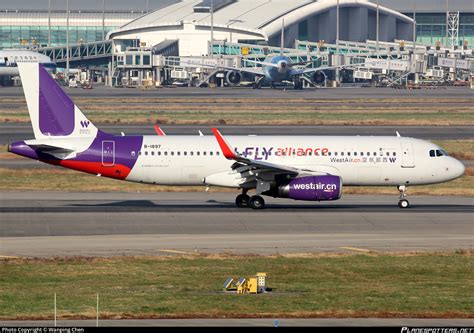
<point>403,202</point>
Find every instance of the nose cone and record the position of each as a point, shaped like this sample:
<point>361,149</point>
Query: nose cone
<point>457,168</point>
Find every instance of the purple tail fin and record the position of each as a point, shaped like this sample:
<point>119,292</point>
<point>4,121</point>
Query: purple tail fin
<point>52,112</point>
<point>56,110</point>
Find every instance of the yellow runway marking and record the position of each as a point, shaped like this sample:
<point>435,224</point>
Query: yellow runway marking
<point>356,249</point>
<point>178,252</point>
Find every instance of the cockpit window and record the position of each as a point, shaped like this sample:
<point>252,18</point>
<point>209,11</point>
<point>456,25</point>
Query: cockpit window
<point>438,152</point>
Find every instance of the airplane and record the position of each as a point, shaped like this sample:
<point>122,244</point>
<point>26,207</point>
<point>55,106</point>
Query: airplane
<point>9,59</point>
<point>310,168</point>
<point>276,69</point>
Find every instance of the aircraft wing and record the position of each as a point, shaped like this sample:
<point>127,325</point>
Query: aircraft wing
<point>250,70</point>
<point>263,63</point>
<point>254,164</point>
<point>311,70</point>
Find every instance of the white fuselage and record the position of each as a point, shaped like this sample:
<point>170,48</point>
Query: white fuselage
<point>10,58</point>
<point>369,160</point>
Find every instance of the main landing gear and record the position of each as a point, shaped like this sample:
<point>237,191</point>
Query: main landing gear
<point>254,202</point>
<point>403,203</point>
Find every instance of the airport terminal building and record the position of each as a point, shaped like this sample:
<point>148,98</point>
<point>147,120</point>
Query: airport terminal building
<point>260,22</point>
<point>247,21</point>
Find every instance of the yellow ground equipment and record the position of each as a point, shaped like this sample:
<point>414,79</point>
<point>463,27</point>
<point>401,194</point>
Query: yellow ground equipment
<point>253,285</point>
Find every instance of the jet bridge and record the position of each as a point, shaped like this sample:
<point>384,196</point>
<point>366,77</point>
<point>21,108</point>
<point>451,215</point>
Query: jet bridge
<point>82,54</point>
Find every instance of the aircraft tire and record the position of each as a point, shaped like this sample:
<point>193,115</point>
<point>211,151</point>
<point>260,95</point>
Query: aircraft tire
<point>242,201</point>
<point>257,202</point>
<point>403,203</point>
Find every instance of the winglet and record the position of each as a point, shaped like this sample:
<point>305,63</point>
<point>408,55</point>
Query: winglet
<point>225,147</point>
<point>159,131</point>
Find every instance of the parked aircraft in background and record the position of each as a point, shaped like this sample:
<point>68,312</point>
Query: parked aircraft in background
<point>277,69</point>
<point>311,168</point>
<point>9,59</point>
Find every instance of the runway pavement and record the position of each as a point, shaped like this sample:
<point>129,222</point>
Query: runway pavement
<point>108,224</point>
<point>347,92</point>
<point>252,322</point>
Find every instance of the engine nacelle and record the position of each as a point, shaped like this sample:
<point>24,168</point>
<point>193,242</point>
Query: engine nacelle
<point>312,188</point>
<point>233,77</point>
<point>318,78</point>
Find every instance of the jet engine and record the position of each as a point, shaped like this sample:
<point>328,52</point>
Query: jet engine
<point>282,67</point>
<point>309,188</point>
<point>233,77</point>
<point>318,78</point>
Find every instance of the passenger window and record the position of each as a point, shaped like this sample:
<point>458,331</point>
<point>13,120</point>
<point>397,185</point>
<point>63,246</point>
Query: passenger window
<point>361,153</point>
<point>211,153</point>
<point>375,154</point>
<point>172,153</point>
<point>388,154</point>
<point>198,153</point>
<point>185,153</point>
<point>432,153</point>
<point>329,154</point>
<point>152,153</point>
<point>342,153</point>
<point>179,153</point>
<point>159,153</point>
<point>146,153</point>
<point>394,154</point>
<point>139,153</point>
<point>191,153</point>
<point>166,153</point>
<point>335,153</point>
<point>204,153</point>
<point>355,153</point>
<point>217,153</point>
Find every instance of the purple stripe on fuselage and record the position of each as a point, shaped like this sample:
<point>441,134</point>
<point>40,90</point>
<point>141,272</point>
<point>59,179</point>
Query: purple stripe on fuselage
<point>126,149</point>
<point>56,110</point>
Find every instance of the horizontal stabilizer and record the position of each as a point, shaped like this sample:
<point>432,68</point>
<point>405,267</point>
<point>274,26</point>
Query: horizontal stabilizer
<point>58,151</point>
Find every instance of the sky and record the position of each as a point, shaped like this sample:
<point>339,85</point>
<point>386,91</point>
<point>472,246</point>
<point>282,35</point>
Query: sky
<point>127,5</point>
<point>140,5</point>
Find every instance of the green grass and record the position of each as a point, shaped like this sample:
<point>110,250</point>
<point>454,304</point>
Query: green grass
<point>265,111</point>
<point>422,285</point>
<point>261,117</point>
